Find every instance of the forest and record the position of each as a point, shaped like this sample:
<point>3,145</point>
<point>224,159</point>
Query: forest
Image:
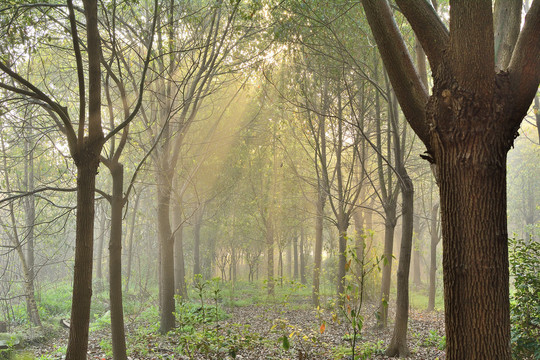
<point>270,179</point>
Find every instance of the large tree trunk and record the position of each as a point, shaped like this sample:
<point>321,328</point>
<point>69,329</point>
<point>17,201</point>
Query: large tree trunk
<point>475,260</point>
<point>87,165</point>
<point>166,242</point>
<point>433,257</point>
<point>389,226</point>
<point>115,264</point>
<point>471,173</point>
<point>398,344</point>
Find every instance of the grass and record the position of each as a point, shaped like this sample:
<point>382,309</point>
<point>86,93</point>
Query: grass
<point>419,300</point>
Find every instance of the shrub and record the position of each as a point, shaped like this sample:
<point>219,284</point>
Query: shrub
<point>525,301</point>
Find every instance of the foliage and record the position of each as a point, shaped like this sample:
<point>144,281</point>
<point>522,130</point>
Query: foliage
<point>199,327</point>
<point>365,351</point>
<point>525,301</point>
<point>435,340</point>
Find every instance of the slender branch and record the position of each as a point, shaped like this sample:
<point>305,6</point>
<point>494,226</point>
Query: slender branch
<point>80,69</point>
<point>28,193</point>
<point>38,94</point>
<point>141,87</point>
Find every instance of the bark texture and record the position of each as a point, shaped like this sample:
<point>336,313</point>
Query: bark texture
<point>471,170</point>
<point>87,165</point>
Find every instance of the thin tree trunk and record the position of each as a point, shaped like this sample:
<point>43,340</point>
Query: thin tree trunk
<point>359,244</point>
<point>289,261</point>
<point>270,254</point>
<point>433,257</point>
<point>389,226</point>
<point>115,264</point>
<point>342,257</point>
<point>179,265</point>
<point>99,253</point>
<point>303,279</point>
<point>197,240</point>
<point>319,221</point>
<point>166,242</point>
<point>417,279</point>
<point>30,212</point>
<point>398,344</point>
<point>130,242</point>
<point>295,252</point>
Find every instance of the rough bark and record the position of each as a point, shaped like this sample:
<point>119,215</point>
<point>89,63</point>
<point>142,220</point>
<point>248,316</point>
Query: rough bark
<point>471,169</point>
<point>87,165</point>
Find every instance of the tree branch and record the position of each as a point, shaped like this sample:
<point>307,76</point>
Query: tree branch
<point>412,95</point>
<point>28,193</point>
<point>80,69</point>
<point>471,52</point>
<point>428,27</point>
<point>507,20</point>
<point>141,87</point>
<point>524,67</point>
<point>38,94</point>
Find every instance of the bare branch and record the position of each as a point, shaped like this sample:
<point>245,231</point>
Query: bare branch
<point>28,193</point>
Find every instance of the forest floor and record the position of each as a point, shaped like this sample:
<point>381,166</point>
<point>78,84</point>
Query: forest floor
<point>260,331</point>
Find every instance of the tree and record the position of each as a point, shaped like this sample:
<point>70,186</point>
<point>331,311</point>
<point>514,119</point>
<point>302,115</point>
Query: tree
<point>468,125</point>
<point>85,144</point>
